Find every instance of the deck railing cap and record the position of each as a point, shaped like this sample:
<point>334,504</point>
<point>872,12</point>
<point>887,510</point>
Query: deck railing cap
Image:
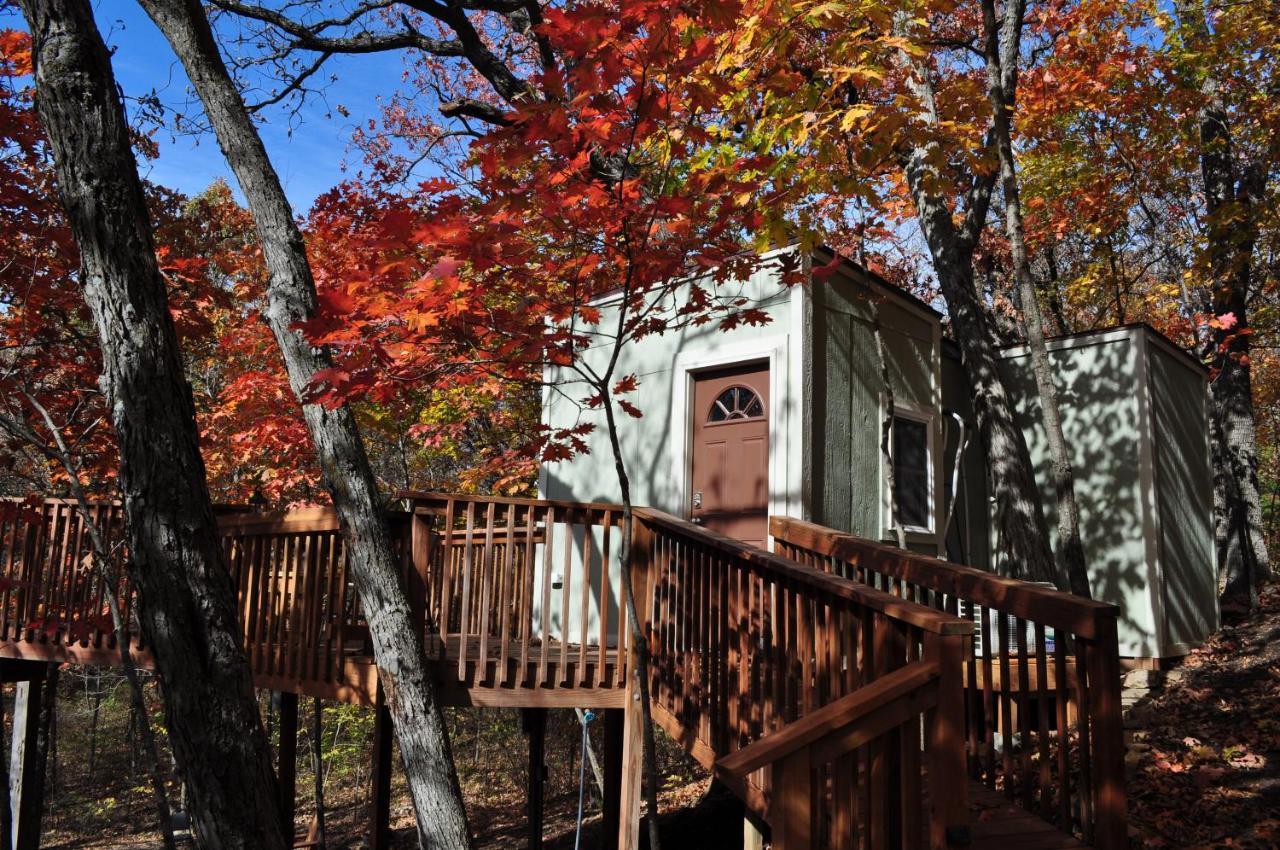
<point>912,613</point>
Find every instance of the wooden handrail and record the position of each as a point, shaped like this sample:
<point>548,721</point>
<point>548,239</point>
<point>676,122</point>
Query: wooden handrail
<point>1053,608</point>
<point>1044,718</point>
<point>891,606</point>
<point>844,725</point>
<point>433,496</point>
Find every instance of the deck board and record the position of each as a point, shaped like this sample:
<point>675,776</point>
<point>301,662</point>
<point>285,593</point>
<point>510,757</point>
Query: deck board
<point>999,823</point>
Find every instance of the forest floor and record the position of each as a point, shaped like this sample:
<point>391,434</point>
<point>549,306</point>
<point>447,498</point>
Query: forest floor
<point>100,798</point>
<point>1203,764</point>
<point>1204,754</point>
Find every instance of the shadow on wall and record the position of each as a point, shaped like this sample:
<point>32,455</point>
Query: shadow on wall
<point>1099,391</point>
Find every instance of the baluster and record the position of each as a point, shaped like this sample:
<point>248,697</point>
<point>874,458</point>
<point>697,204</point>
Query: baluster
<point>464,627</point>
<point>447,560</point>
<point>1042,717</point>
<point>1006,685</point>
<point>339,548</point>
<point>566,587</point>
<point>1026,772</point>
<point>584,594</point>
<point>1085,748</point>
<point>604,600</point>
<point>990,719</point>
<point>1062,695</point>
<point>487,563</point>
<point>547,547</point>
<point>526,615</point>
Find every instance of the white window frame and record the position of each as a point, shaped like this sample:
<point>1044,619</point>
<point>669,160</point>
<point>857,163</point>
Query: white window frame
<point>929,418</point>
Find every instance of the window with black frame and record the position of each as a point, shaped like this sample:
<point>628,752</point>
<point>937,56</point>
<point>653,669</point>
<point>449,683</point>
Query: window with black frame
<point>910,446</point>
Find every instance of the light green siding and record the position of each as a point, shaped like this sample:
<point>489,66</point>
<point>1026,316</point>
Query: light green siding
<point>1135,418</point>
<point>1184,498</point>
<point>654,444</point>
<point>1098,392</point>
<point>1134,413</point>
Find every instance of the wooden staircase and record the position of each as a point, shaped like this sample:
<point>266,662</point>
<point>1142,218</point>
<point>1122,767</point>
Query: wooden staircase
<point>849,693</point>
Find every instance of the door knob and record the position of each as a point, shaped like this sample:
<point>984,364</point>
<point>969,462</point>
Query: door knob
<point>697,500</point>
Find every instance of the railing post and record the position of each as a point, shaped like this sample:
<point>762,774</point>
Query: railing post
<point>885,771</point>
<point>1111,817</point>
<point>791,803</point>
<point>944,740</point>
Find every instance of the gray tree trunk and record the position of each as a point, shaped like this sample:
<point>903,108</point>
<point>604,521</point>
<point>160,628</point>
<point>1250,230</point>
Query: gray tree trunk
<point>1024,550</point>
<point>1002,72</point>
<point>1232,190</point>
<point>1024,536</point>
<point>186,598</point>
<point>291,298</point>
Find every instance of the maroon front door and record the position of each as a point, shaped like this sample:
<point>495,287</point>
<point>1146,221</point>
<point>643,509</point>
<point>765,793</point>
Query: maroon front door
<point>730,492</point>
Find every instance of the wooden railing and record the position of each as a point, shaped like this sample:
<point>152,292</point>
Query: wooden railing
<point>303,628</point>
<point>745,643</point>
<point>859,661</point>
<point>522,592</point>
<point>892,705</point>
<point>514,593</point>
<point>1042,687</point>
<point>49,594</point>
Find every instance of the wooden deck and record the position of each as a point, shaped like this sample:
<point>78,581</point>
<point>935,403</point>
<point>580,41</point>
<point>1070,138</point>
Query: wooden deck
<point>998,823</point>
<point>854,696</point>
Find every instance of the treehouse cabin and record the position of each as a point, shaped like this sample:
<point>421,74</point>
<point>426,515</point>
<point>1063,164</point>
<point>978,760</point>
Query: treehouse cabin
<point>786,418</point>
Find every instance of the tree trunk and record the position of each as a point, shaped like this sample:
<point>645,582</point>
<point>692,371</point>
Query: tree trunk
<point>186,597</point>
<point>638,636</point>
<point>999,69</point>
<point>291,299</point>
<point>1024,550</point>
<point>1231,193</point>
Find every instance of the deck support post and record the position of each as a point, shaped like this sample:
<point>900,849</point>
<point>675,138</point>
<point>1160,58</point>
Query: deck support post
<point>27,758</point>
<point>287,755</point>
<point>615,724</point>
<point>380,778</point>
<point>534,723</point>
<point>632,769</point>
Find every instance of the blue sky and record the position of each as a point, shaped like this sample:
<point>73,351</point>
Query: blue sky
<point>309,159</point>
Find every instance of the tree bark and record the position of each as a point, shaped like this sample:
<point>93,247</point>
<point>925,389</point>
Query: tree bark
<point>186,597</point>
<point>1002,73</point>
<point>1231,192</point>
<point>1024,550</point>
<point>1024,537</point>
<point>638,635</point>
<point>291,299</point>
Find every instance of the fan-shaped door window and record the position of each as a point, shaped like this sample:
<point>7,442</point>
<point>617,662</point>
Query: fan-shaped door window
<point>736,404</point>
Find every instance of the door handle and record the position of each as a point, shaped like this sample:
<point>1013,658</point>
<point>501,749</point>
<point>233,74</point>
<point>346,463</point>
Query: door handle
<point>697,500</point>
